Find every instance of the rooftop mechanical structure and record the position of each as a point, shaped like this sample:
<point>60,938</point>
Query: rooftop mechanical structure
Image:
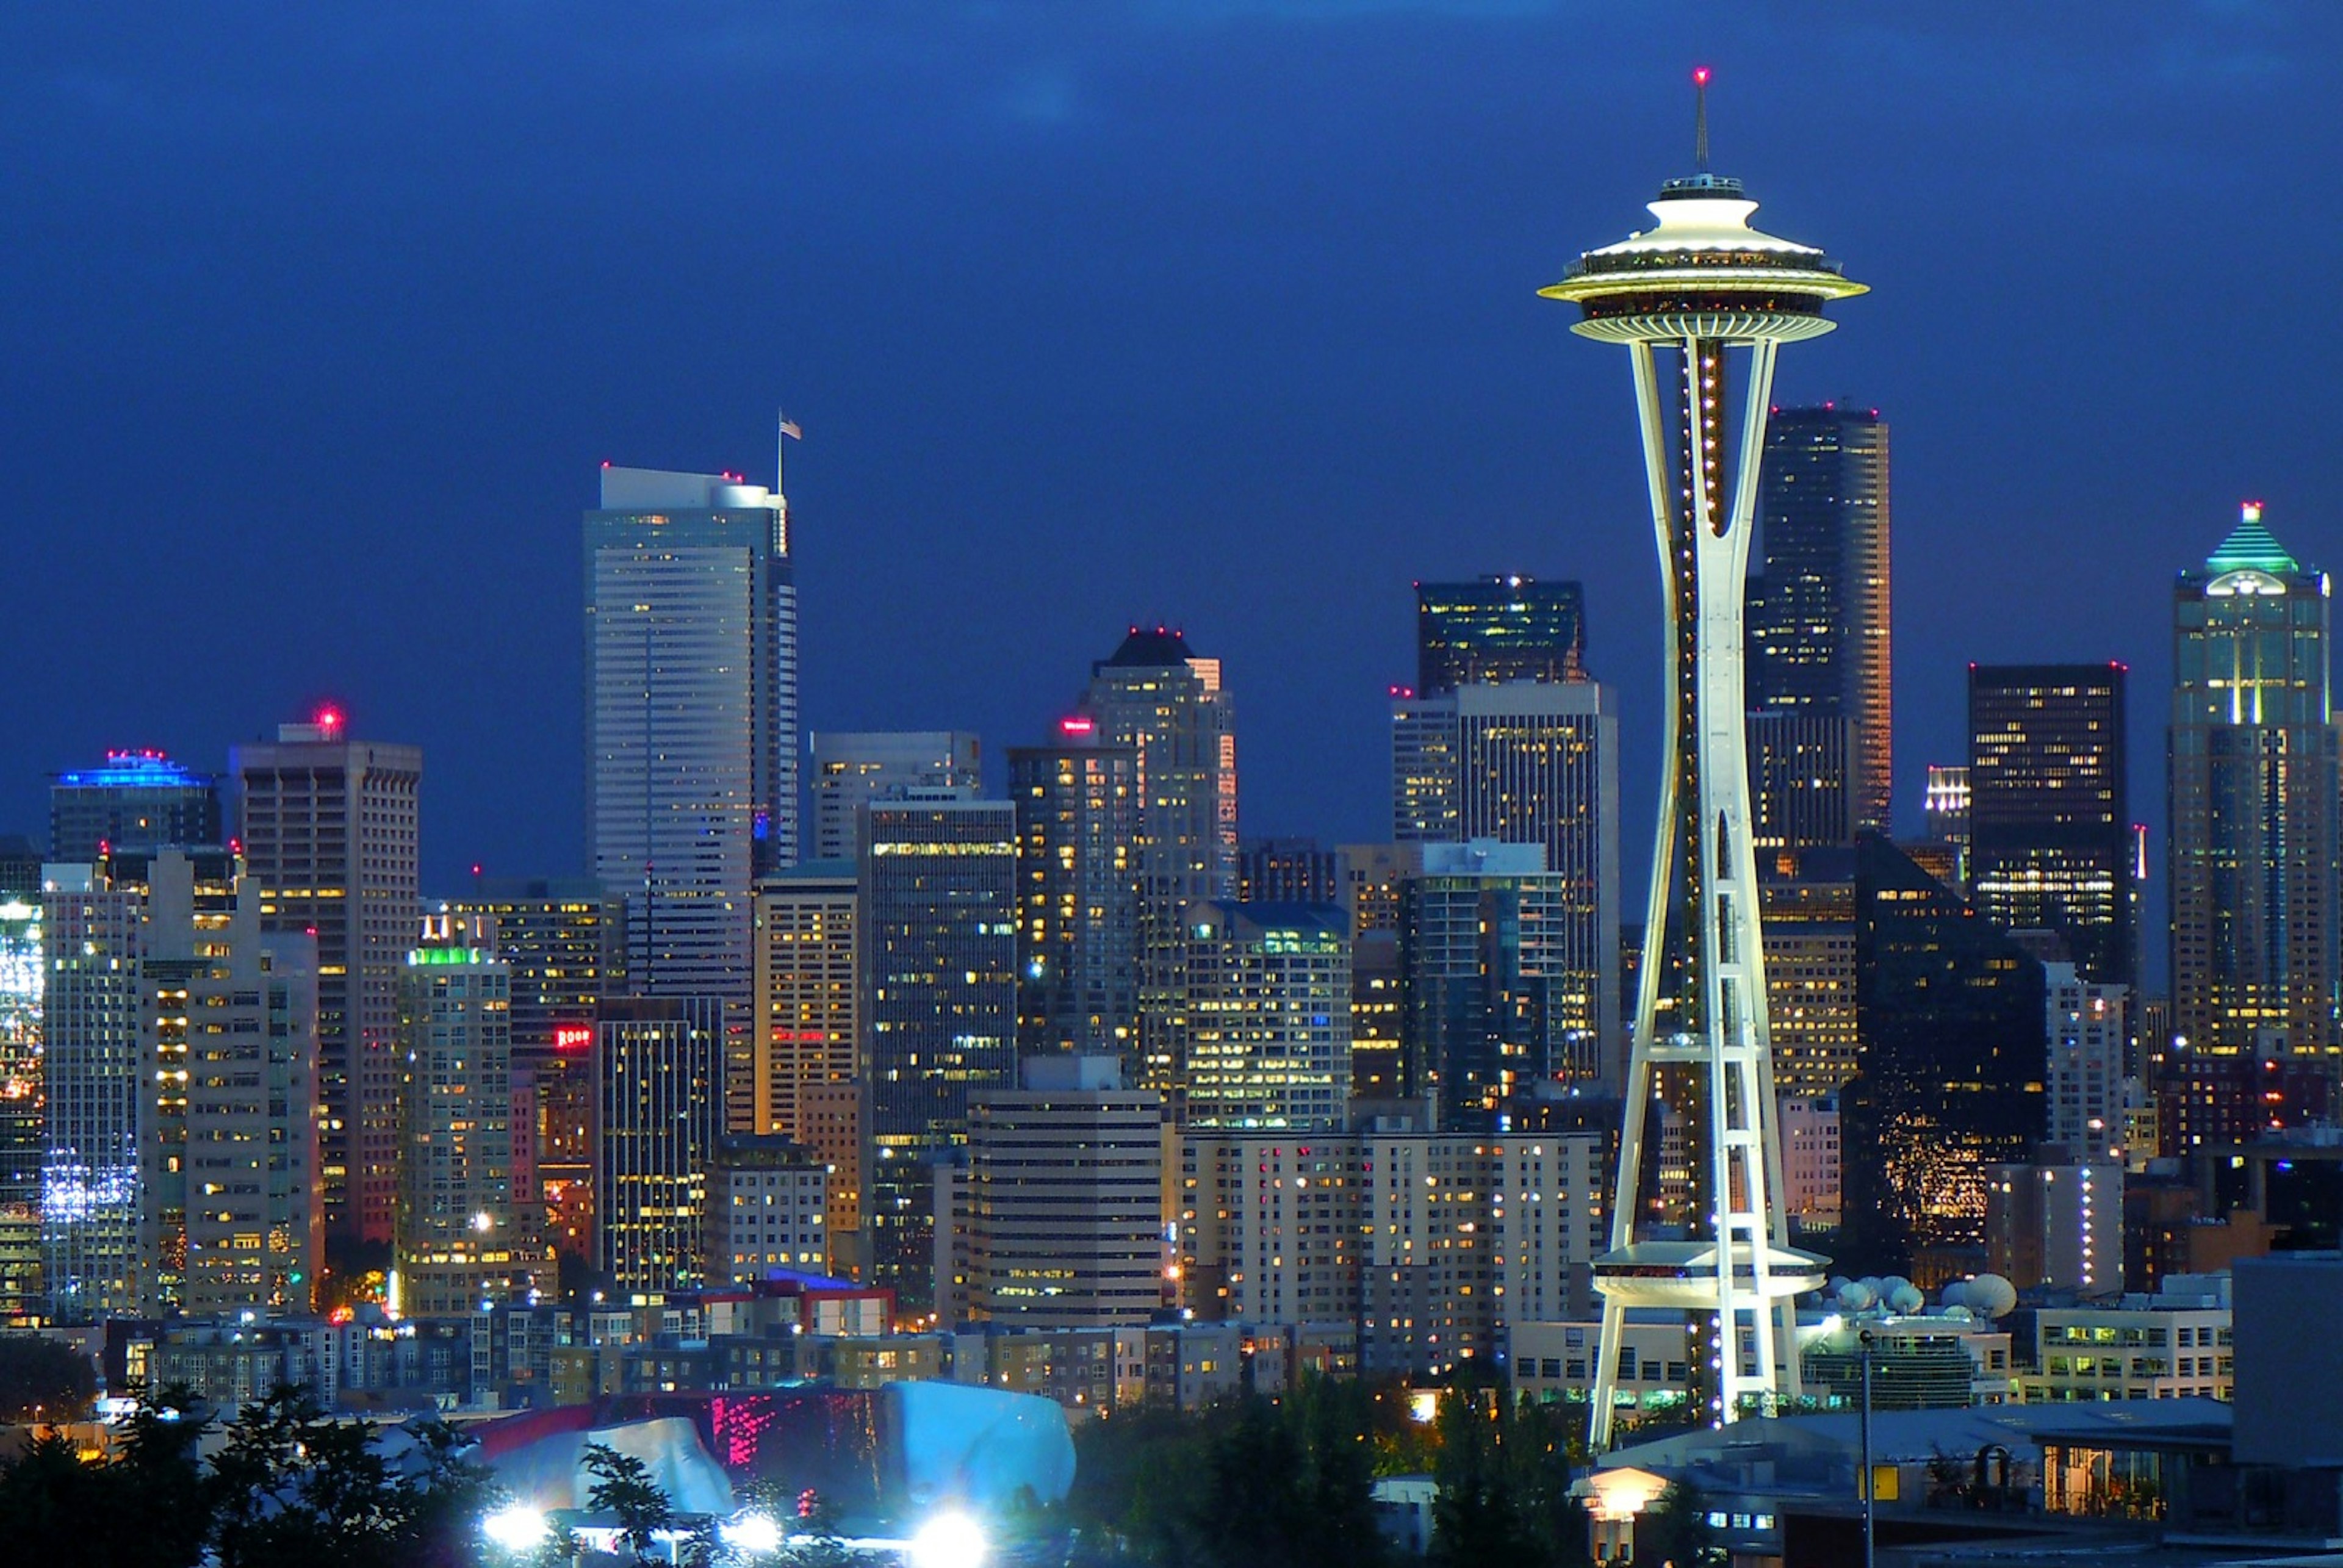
<point>1708,1236</point>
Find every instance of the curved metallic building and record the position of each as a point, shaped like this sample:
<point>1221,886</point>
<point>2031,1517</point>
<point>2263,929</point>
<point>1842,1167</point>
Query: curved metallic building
<point>1709,1235</point>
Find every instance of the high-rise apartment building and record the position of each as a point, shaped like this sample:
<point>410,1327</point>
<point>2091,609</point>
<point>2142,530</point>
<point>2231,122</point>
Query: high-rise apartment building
<point>2050,833</point>
<point>331,829</point>
<point>852,768</point>
<point>2088,1042</point>
<point>1802,788</point>
<point>464,1237</point>
<point>937,966</point>
<point>1819,639</point>
<point>1268,1015</point>
<point>1077,809</point>
<point>2256,930</point>
<point>658,1060</point>
<point>1065,1197</point>
<point>767,1210</point>
<point>1498,628</point>
<point>1154,695</point>
<point>1502,992</point>
<point>1288,871</point>
<point>181,1160</point>
<point>134,800</point>
<point>1806,900</point>
<point>691,661</point>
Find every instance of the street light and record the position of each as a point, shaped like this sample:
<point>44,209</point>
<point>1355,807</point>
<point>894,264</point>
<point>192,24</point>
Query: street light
<point>1863,1339</point>
<point>948,1540</point>
<point>752,1534</point>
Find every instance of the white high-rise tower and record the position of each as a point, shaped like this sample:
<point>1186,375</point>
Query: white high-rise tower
<point>1681,295</point>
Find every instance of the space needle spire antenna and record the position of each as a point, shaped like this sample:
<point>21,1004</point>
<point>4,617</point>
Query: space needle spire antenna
<point>1699,289</point>
<point>1700,119</point>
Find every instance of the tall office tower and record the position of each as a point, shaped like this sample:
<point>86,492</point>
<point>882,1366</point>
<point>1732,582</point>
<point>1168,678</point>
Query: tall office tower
<point>1503,994</point>
<point>1288,871</point>
<point>562,938</point>
<point>1076,808</point>
<point>1818,626</point>
<point>1268,1015</point>
<point>850,769</point>
<point>1945,809</point>
<point>657,1060</point>
<point>1157,696</point>
<point>1681,295</point>
<point>691,661</point>
<point>1954,1070</point>
<point>939,985</point>
<point>2257,970</point>
<point>2087,1043</point>
<point>1527,762</point>
<point>330,833</point>
<point>1801,792</point>
<point>464,1236</point>
<point>180,1170</point>
<point>134,800</point>
<point>1065,1198</point>
<point>2050,834</point>
<point>808,998</point>
<point>22,1108</point>
<point>1496,629</point>
<point>1807,900</point>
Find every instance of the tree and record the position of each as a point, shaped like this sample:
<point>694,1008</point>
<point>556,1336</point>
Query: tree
<point>42,1380</point>
<point>142,1508</point>
<point>623,1486</point>
<point>1675,1530</point>
<point>1476,1518</point>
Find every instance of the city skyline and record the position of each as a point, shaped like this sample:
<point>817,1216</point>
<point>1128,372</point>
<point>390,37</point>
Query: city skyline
<point>1177,480</point>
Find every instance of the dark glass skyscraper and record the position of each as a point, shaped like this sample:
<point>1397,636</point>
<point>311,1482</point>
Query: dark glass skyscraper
<point>2051,837</point>
<point>2255,976</point>
<point>1950,1013</point>
<point>134,800</point>
<point>1077,806</point>
<point>939,990</point>
<point>1498,628</point>
<point>1819,641</point>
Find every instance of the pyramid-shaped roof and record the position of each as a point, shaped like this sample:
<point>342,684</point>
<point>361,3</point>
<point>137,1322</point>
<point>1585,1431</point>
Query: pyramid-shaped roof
<point>2250,545</point>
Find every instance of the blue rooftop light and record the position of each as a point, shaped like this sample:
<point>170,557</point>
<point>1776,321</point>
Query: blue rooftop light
<point>135,770</point>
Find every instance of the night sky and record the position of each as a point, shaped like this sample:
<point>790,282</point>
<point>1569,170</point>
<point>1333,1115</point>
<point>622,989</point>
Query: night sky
<point>319,321</point>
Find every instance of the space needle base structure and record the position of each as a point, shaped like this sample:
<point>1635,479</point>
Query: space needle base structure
<point>1688,298</point>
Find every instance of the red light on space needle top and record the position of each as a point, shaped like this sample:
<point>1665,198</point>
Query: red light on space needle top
<point>1700,76</point>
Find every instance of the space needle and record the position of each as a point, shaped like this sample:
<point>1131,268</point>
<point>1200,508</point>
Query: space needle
<point>1707,1238</point>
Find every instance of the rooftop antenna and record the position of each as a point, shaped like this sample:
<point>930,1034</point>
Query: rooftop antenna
<point>1700,118</point>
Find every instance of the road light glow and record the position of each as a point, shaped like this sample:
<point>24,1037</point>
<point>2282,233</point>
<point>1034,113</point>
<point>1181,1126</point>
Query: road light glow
<point>948,1540</point>
<point>755,1533</point>
<point>517,1528</point>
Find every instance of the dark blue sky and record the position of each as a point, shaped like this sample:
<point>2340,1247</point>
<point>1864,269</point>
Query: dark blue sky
<point>320,321</point>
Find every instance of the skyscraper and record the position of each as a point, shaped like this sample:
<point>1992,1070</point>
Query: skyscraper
<point>134,800</point>
<point>331,827</point>
<point>1528,762</point>
<point>939,953</point>
<point>1268,1015</point>
<point>1697,283</point>
<point>850,769</point>
<point>2051,837</point>
<point>464,1239</point>
<point>1498,628</point>
<point>2257,974</point>
<point>691,661</point>
<point>180,1166</point>
<point>1154,695</point>
<point>22,985</point>
<point>1077,807</point>
<point>1502,992</point>
<point>1819,640</point>
<point>1802,790</point>
<point>658,1060</point>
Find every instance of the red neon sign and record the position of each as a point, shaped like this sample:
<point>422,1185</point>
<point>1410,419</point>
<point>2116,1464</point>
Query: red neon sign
<point>572,1037</point>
